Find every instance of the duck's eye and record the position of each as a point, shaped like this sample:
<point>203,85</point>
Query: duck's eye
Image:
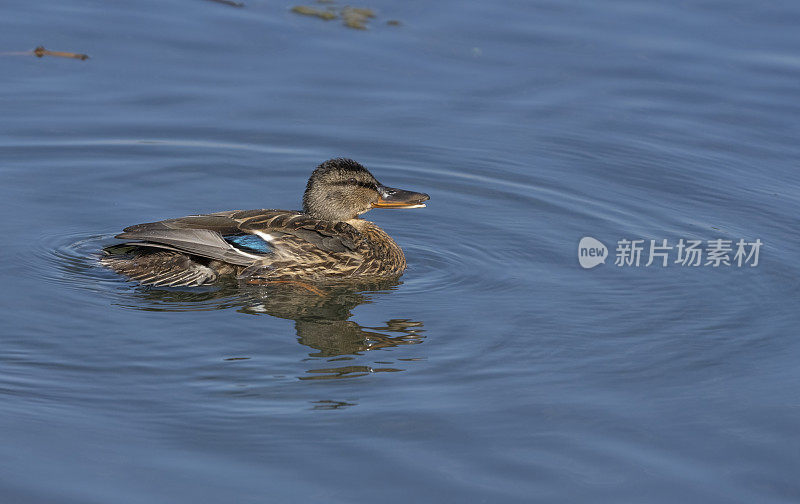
<point>351,180</point>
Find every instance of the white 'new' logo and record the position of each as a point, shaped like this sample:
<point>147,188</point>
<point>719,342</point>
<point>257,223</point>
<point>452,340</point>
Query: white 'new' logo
<point>591,252</point>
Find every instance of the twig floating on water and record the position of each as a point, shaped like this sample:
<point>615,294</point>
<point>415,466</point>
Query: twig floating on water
<point>229,2</point>
<point>41,51</point>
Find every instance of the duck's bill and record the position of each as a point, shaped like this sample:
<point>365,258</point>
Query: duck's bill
<point>389,197</point>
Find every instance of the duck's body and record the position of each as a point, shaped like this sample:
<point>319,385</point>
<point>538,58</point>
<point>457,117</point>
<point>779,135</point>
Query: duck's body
<point>325,241</point>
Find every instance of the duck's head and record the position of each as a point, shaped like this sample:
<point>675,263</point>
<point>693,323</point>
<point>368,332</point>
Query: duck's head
<point>341,189</point>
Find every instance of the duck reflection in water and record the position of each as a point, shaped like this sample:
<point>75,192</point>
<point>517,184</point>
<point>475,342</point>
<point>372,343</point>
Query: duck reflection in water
<point>321,315</point>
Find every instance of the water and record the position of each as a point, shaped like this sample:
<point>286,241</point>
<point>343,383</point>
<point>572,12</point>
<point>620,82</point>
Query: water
<point>497,369</point>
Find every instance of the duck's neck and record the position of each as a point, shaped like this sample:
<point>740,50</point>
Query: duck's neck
<point>386,253</point>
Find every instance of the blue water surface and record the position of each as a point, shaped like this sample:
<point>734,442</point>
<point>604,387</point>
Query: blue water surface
<point>497,369</point>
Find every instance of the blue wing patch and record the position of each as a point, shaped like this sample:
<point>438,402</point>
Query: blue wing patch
<point>249,243</point>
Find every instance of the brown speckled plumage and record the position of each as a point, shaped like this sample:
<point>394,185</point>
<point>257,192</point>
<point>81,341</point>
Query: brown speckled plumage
<point>326,241</point>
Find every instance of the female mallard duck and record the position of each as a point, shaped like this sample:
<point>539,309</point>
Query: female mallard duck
<point>326,241</point>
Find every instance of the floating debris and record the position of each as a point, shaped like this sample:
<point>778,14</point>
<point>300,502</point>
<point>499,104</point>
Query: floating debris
<point>352,17</point>
<point>305,10</point>
<point>393,22</point>
<point>356,18</point>
<point>41,51</point>
<point>229,2</point>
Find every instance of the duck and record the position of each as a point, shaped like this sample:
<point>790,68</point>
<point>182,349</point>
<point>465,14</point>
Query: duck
<point>325,241</point>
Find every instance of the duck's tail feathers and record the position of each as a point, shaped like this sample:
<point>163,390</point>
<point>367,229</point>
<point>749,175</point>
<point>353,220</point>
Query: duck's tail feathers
<point>161,268</point>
